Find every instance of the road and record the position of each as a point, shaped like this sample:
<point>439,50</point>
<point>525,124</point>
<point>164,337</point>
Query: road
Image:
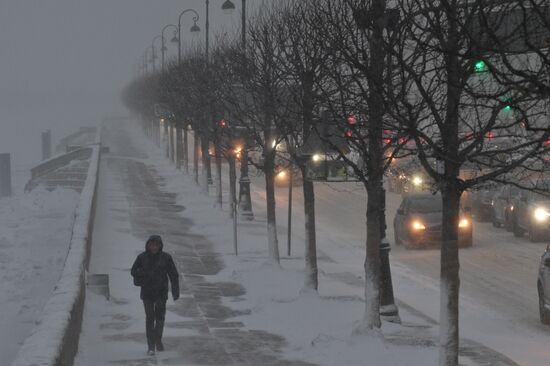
<point>498,274</point>
<point>499,301</point>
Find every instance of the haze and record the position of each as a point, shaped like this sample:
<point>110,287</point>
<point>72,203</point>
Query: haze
<point>63,63</point>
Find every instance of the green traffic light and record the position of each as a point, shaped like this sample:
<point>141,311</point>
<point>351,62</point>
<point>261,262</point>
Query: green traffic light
<point>480,66</point>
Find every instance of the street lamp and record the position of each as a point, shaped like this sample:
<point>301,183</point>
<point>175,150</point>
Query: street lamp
<point>194,29</point>
<point>146,60</point>
<point>154,56</point>
<point>228,7</point>
<point>177,38</point>
<point>174,39</point>
<point>245,201</point>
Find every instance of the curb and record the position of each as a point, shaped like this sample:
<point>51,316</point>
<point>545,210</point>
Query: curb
<point>54,340</point>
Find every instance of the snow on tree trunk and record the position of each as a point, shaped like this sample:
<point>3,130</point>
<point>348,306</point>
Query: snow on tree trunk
<point>375,158</point>
<point>179,146</point>
<point>166,139</point>
<point>185,155</point>
<point>204,172</point>
<point>311,277</point>
<point>196,153</point>
<point>171,138</point>
<point>219,193</point>
<point>273,245</point>
<point>371,319</point>
<point>450,282</point>
<point>232,184</point>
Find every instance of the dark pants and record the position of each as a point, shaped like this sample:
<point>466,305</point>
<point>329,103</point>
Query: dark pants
<point>155,310</point>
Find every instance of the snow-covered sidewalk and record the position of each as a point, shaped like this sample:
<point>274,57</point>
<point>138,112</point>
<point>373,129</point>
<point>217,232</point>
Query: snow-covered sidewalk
<point>234,310</point>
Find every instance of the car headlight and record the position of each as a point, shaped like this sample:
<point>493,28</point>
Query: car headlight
<point>417,181</point>
<point>463,223</point>
<point>541,214</point>
<point>417,225</point>
<point>281,174</point>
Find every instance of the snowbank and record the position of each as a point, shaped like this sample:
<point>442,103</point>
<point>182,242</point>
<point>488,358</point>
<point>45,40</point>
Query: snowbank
<point>54,340</point>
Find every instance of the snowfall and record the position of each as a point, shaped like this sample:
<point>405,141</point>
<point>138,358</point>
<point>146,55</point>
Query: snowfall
<point>498,301</point>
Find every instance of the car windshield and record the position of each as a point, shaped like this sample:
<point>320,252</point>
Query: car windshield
<point>426,204</point>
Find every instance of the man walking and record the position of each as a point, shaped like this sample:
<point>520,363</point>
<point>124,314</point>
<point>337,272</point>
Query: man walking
<point>151,271</point>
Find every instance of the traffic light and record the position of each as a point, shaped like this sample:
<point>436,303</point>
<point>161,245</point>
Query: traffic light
<point>507,104</point>
<point>351,121</point>
<point>480,67</point>
<point>222,123</point>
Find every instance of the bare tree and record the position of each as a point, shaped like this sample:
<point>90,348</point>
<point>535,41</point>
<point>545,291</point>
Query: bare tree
<point>464,117</point>
<point>301,56</point>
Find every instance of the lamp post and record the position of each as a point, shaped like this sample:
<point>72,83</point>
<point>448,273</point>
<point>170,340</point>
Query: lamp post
<point>163,47</point>
<point>154,56</point>
<point>194,29</point>
<point>245,201</point>
<point>146,60</point>
<point>205,141</point>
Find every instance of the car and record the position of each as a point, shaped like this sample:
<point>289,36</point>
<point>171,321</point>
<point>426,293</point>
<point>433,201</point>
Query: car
<point>480,201</point>
<point>501,205</point>
<point>543,286</point>
<point>283,176</point>
<point>418,222</point>
<point>531,215</point>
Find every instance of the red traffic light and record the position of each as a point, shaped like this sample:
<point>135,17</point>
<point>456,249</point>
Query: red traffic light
<point>352,120</point>
<point>348,133</point>
<point>222,123</point>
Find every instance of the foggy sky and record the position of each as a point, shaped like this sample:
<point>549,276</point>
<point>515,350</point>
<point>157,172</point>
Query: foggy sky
<point>63,63</point>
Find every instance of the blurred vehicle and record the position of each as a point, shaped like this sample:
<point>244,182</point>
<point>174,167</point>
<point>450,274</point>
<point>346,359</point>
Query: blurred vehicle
<point>402,181</point>
<point>543,287</point>
<point>531,214</point>
<point>418,222</point>
<point>502,206</point>
<point>480,203</point>
<point>283,176</point>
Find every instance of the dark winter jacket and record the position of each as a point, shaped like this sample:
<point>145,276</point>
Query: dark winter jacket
<point>155,270</point>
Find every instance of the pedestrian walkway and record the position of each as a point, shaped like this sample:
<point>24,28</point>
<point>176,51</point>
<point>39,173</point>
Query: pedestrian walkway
<point>210,324</point>
<point>199,329</point>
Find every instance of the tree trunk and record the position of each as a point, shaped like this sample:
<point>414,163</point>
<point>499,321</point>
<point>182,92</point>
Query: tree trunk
<point>375,160</point>
<point>166,139</point>
<point>208,164</point>
<point>157,133</point>
<point>451,192</point>
<point>196,153</point>
<point>232,183</point>
<point>450,281</point>
<point>311,278</point>
<point>273,245</point>
<point>219,192</point>
<point>371,318</point>
<point>179,147</point>
<point>185,150</point>
<point>171,138</point>
<point>205,159</point>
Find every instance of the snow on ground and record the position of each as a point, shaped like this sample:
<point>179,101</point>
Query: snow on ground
<point>35,231</point>
<point>318,328</point>
<point>496,303</point>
